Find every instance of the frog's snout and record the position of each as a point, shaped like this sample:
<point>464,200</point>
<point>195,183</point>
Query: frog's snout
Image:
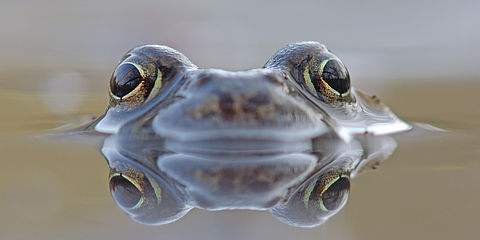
<point>246,104</point>
<point>242,108</point>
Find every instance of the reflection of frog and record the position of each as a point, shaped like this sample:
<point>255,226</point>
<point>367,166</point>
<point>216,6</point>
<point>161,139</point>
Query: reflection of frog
<point>286,137</point>
<point>303,187</point>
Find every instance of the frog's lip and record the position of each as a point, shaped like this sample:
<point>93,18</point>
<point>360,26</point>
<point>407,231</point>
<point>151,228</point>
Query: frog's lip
<point>291,134</point>
<point>234,147</point>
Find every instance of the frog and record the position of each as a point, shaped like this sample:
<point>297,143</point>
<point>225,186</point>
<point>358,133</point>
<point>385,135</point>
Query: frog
<point>302,91</point>
<point>286,137</point>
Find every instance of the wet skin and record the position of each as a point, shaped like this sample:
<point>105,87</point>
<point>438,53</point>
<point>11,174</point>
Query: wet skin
<point>303,91</point>
<point>286,137</point>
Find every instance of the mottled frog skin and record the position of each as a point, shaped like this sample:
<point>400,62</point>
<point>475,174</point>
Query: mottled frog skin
<point>286,137</point>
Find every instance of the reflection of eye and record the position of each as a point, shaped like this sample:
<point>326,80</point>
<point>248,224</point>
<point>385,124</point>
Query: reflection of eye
<point>328,194</point>
<point>144,197</point>
<point>319,198</point>
<point>134,190</point>
<point>125,192</point>
<point>335,195</point>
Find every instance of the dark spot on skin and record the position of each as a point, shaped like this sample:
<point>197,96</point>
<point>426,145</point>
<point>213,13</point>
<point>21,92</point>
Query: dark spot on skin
<point>226,106</point>
<point>259,99</point>
<point>202,80</point>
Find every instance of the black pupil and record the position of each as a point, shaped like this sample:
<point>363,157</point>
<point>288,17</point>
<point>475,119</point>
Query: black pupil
<point>125,78</point>
<point>336,76</point>
<point>124,192</point>
<point>336,194</point>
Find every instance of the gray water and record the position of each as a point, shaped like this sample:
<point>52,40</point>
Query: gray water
<point>420,58</point>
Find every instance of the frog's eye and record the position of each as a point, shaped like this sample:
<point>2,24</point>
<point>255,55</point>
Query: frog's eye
<point>132,84</point>
<point>328,196</point>
<point>315,69</point>
<point>329,79</point>
<point>143,74</point>
<point>126,78</point>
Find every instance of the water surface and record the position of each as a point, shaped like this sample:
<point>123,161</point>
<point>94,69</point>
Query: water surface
<point>428,188</point>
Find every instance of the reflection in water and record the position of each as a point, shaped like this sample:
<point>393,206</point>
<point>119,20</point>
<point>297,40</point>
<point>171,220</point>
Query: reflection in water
<point>303,184</point>
<point>285,138</point>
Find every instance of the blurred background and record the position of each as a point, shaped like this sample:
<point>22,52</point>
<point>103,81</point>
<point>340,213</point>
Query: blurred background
<point>421,57</point>
<point>408,39</point>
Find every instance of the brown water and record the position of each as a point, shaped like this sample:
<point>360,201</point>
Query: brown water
<point>56,60</point>
<point>426,190</point>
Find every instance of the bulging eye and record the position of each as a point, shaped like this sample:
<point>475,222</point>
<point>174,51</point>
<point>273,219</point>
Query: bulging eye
<point>133,84</point>
<point>143,74</point>
<point>335,76</point>
<point>315,69</point>
<point>125,79</point>
<point>328,79</point>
